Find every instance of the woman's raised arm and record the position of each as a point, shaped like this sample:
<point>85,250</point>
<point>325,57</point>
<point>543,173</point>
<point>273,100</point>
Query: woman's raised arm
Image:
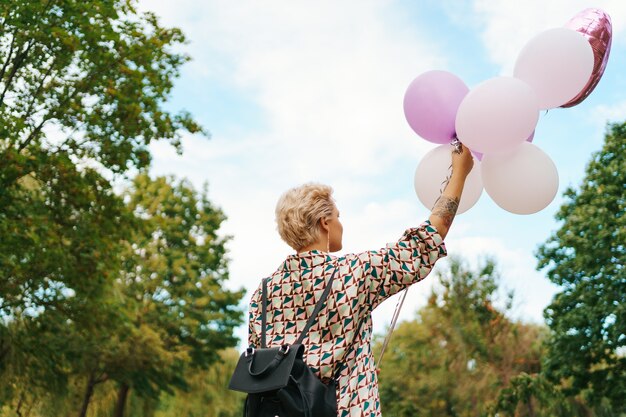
<point>446,206</point>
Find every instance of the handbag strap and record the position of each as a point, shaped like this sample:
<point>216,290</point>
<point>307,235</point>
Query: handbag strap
<point>280,355</point>
<point>263,312</point>
<point>317,308</point>
<point>312,318</point>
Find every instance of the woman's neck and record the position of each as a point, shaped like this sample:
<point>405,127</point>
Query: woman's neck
<point>318,246</point>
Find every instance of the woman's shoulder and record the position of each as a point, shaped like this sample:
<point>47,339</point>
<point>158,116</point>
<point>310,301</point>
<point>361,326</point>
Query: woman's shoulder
<point>359,264</point>
<point>365,257</point>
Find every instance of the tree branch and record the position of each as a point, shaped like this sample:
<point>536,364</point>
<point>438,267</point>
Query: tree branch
<point>8,59</point>
<point>47,6</point>
<point>4,352</point>
<point>49,117</point>
<point>32,135</point>
<point>18,410</point>
<point>39,88</point>
<point>19,60</point>
<point>103,377</point>
<point>4,67</point>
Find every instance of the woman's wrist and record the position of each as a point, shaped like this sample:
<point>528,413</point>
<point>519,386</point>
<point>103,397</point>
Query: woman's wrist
<point>455,185</point>
<point>459,175</point>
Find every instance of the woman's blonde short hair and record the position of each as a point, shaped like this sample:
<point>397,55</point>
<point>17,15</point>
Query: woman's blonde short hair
<point>299,211</point>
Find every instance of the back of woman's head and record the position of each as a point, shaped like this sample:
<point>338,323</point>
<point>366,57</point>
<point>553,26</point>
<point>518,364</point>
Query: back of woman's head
<point>299,211</point>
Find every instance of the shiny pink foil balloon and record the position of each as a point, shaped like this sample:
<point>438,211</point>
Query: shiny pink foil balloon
<point>430,105</point>
<point>595,26</point>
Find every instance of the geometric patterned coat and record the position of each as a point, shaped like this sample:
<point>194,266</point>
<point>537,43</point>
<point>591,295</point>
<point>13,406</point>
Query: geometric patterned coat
<point>362,282</point>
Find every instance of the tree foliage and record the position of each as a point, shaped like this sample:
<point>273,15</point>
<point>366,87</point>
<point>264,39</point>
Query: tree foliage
<point>208,393</point>
<point>96,288</point>
<point>62,229</point>
<point>63,232</point>
<point>173,286</point>
<point>536,396</point>
<point>586,256</point>
<point>96,71</point>
<point>205,395</point>
<point>165,314</point>
<point>82,91</point>
<point>460,351</point>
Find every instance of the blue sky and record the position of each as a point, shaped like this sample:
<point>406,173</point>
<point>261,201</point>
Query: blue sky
<point>296,91</point>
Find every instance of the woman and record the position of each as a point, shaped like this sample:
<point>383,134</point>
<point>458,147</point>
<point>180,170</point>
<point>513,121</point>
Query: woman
<point>338,345</point>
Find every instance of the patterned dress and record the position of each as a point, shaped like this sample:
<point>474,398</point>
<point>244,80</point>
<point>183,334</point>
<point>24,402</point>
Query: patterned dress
<point>362,282</point>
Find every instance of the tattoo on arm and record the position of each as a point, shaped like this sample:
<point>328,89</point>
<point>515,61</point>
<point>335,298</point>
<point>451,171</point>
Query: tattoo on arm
<point>446,208</point>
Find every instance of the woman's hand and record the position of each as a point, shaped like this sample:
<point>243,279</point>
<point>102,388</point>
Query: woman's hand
<point>462,161</point>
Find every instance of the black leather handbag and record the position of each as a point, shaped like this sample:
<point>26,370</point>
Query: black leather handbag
<point>278,381</point>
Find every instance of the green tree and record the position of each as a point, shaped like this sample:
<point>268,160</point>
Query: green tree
<point>536,396</point>
<point>51,355</point>
<point>81,84</point>
<point>98,71</point>
<point>586,257</point>
<point>208,393</point>
<point>166,316</point>
<point>60,235</point>
<point>173,286</point>
<point>63,232</point>
<point>460,351</point>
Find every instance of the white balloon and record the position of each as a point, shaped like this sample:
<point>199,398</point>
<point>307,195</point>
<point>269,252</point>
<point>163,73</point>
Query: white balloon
<point>557,64</point>
<point>523,181</point>
<point>432,171</point>
<point>497,115</point>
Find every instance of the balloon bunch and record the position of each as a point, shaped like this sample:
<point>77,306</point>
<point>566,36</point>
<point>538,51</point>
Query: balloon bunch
<point>496,119</point>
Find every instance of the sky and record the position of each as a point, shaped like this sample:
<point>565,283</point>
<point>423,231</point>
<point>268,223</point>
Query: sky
<point>296,91</point>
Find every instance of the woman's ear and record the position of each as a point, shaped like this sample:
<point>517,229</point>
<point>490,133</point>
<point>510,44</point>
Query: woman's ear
<point>324,224</point>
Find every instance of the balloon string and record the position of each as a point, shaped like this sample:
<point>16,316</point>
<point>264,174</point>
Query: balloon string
<point>457,145</point>
<point>457,148</point>
<point>445,182</point>
<point>394,319</point>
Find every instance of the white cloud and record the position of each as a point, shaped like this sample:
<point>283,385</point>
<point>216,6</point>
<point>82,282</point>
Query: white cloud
<point>612,113</point>
<point>328,78</point>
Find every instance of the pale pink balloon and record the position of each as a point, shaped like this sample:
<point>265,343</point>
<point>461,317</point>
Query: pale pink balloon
<point>432,171</point>
<point>557,64</point>
<point>523,181</point>
<point>595,26</point>
<point>479,155</point>
<point>497,115</point>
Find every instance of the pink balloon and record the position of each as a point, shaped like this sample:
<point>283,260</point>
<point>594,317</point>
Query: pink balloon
<point>432,171</point>
<point>557,64</point>
<point>595,26</point>
<point>523,181</point>
<point>479,155</point>
<point>497,115</point>
<point>430,105</point>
